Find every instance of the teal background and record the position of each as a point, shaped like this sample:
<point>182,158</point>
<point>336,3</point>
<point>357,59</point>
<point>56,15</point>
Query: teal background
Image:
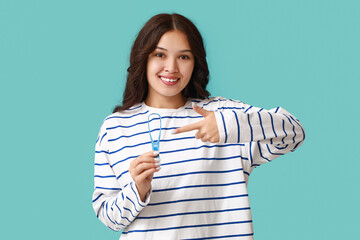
<point>62,70</point>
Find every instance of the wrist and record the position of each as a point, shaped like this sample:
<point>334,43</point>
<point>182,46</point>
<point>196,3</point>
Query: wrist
<point>142,193</point>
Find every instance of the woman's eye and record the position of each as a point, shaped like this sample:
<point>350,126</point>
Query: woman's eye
<point>159,54</point>
<point>184,57</point>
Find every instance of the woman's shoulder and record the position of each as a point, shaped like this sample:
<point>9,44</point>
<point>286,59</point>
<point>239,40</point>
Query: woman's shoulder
<point>124,115</point>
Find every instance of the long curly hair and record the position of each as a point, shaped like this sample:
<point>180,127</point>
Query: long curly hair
<point>136,89</point>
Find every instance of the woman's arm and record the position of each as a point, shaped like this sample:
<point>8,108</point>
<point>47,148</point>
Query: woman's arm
<point>245,123</point>
<point>114,205</point>
<point>267,133</point>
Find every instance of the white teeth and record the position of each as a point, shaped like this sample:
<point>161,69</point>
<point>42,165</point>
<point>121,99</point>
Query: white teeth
<point>168,79</point>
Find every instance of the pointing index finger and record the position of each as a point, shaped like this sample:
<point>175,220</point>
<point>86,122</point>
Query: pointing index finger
<point>187,128</point>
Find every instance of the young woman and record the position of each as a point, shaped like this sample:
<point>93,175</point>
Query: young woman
<point>208,146</point>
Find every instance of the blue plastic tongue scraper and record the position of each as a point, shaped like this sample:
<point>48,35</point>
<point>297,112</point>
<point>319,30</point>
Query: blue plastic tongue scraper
<point>155,145</point>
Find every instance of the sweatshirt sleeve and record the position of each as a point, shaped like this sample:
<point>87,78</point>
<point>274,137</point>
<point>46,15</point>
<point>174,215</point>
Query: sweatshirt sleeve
<point>266,134</point>
<point>115,205</point>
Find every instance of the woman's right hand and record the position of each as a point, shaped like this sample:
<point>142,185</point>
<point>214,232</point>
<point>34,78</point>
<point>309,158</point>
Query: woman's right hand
<point>142,170</point>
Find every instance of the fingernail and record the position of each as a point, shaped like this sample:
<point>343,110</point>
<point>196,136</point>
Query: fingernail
<point>158,168</point>
<point>156,153</point>
<point>157,159</point>
<point>193,104</point>
<point>173,131</point>
<point>157,164</point>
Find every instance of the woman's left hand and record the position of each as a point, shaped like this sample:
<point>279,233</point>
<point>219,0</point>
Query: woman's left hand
<point>207,128</point>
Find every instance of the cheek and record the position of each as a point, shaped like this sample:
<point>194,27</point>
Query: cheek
<point>188,69</point>
<point>154,66</point>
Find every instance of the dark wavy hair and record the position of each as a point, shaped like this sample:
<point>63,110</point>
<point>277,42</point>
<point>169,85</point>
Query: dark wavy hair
<point>136,89</point>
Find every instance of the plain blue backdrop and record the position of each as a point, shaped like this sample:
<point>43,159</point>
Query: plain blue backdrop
<point>63,68</point>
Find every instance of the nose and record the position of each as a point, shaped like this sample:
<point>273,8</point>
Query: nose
<point>171,65</point>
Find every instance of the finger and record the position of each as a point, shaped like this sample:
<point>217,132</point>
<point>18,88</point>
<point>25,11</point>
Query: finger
<point>147,174</point>
<point>200,110</point>
<point>187,128</point>
<point>205,138</point>
<point>199,135</point>
<point>146,157</point>
<point>141,160</point>
<point>144,167</point>
<point>146,160</point>
<point>214,140</point>
<point>151,154</point>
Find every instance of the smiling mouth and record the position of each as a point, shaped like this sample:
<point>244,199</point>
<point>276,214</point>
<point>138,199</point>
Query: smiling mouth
<point>169,80</point>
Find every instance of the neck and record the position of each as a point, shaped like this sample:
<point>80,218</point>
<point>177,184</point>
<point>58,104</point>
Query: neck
<point>166,102</point>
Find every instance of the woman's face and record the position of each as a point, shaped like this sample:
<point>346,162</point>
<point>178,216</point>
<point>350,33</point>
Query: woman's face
<point>169,69</point>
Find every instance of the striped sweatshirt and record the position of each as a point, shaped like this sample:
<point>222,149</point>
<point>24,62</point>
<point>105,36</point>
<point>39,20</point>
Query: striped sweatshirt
<point>201,190</point>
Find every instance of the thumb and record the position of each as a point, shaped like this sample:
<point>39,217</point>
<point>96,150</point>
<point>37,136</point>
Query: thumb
<point>200,110</point>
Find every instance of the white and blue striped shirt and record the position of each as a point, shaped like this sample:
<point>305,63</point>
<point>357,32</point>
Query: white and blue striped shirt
<point>200,191</point>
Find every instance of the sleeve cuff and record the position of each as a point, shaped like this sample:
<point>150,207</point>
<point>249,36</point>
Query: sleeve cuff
<point>137,195</point>
<point>221,127</point>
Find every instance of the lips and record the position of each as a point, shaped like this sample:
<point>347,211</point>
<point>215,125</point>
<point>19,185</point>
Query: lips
<point>168,80</point>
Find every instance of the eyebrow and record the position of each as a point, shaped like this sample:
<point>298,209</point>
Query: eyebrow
<point>185,50</point>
